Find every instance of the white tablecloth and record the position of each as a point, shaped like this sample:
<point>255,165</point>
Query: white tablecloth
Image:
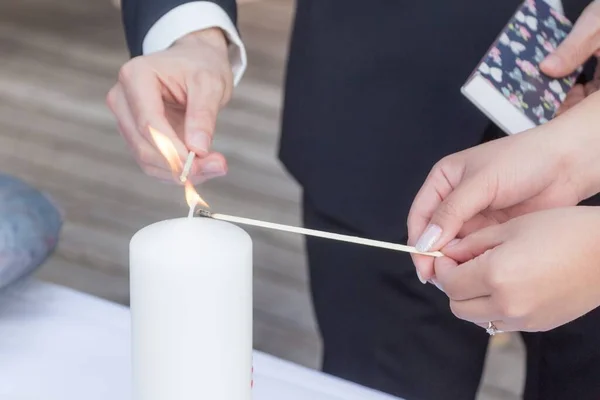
<point>58,344</point>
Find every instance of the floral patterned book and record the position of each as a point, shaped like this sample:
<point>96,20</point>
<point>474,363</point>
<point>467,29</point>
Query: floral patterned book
<point>508,86</point>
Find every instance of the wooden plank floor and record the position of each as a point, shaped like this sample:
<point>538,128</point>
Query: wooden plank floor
<point>59,58</point>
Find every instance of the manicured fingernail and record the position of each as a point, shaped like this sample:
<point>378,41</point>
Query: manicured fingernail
<point>428,238</point>
<point>423,281</point>
<point>453,242</point>
<point>437,284</point>
<point>199,141</point>
<point>214,168</point>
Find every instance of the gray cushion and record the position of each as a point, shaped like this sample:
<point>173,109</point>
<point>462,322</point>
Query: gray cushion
<point>30,225</point>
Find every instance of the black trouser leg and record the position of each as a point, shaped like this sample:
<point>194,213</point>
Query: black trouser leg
<point>382,328</point>
<point>564,364</point>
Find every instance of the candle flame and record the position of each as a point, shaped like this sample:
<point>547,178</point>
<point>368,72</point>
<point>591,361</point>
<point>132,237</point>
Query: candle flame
<point>192,197</point>
<point>167,149</point>
<point>169,152</point>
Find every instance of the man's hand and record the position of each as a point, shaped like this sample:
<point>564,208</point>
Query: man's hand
<point>582,43</point>
<point>179,92</point>
<point>533,273</point>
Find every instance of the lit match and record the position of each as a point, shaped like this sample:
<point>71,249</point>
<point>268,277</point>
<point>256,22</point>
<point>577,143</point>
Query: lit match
<point>311,232</point>
<point>187,167</point>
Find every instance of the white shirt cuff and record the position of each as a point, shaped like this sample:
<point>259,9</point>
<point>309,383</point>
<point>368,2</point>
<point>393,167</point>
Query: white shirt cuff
<point>192,17</point>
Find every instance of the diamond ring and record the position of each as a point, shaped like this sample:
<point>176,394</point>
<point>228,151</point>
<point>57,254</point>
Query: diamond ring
<point>491,329</point>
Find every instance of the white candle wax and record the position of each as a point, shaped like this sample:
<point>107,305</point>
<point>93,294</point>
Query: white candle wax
<point>191,305</point>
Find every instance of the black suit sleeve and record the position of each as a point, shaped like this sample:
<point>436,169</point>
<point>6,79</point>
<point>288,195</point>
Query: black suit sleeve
<point>140,15</point>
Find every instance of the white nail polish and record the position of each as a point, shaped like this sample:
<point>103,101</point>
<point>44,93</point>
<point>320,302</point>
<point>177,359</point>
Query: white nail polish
<point>423,281</point>
<point>429,238</point>
<point>437,284</point>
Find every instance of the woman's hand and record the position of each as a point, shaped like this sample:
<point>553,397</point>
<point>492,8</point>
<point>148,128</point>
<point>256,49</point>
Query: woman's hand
<point>533,273</point>
<point>582,43</point>
<point>550,166</point>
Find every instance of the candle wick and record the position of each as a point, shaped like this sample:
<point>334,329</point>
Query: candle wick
<point>192,209</point>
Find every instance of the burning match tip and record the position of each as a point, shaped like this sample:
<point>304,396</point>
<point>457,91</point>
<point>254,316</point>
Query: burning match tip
<point>204,213</point>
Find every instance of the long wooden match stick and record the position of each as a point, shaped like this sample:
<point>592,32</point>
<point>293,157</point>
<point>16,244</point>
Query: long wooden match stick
<point>321,234</point>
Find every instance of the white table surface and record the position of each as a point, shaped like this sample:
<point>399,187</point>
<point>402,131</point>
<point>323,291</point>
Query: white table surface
<point>59,344</point>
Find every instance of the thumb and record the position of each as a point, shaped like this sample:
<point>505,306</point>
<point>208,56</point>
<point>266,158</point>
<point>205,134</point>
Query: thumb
<point>578,47</point>
<point>203,104</point>
<point>468,199</point>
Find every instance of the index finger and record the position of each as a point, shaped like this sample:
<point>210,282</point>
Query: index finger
<point>438,185</point>
<point>424,204</point>
<point>143,90</point>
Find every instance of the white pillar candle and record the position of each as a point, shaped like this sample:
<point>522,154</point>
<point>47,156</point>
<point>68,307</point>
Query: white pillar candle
<point>191,305</point>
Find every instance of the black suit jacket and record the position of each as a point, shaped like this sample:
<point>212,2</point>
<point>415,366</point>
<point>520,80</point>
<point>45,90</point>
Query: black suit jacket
<point>373,96</point>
